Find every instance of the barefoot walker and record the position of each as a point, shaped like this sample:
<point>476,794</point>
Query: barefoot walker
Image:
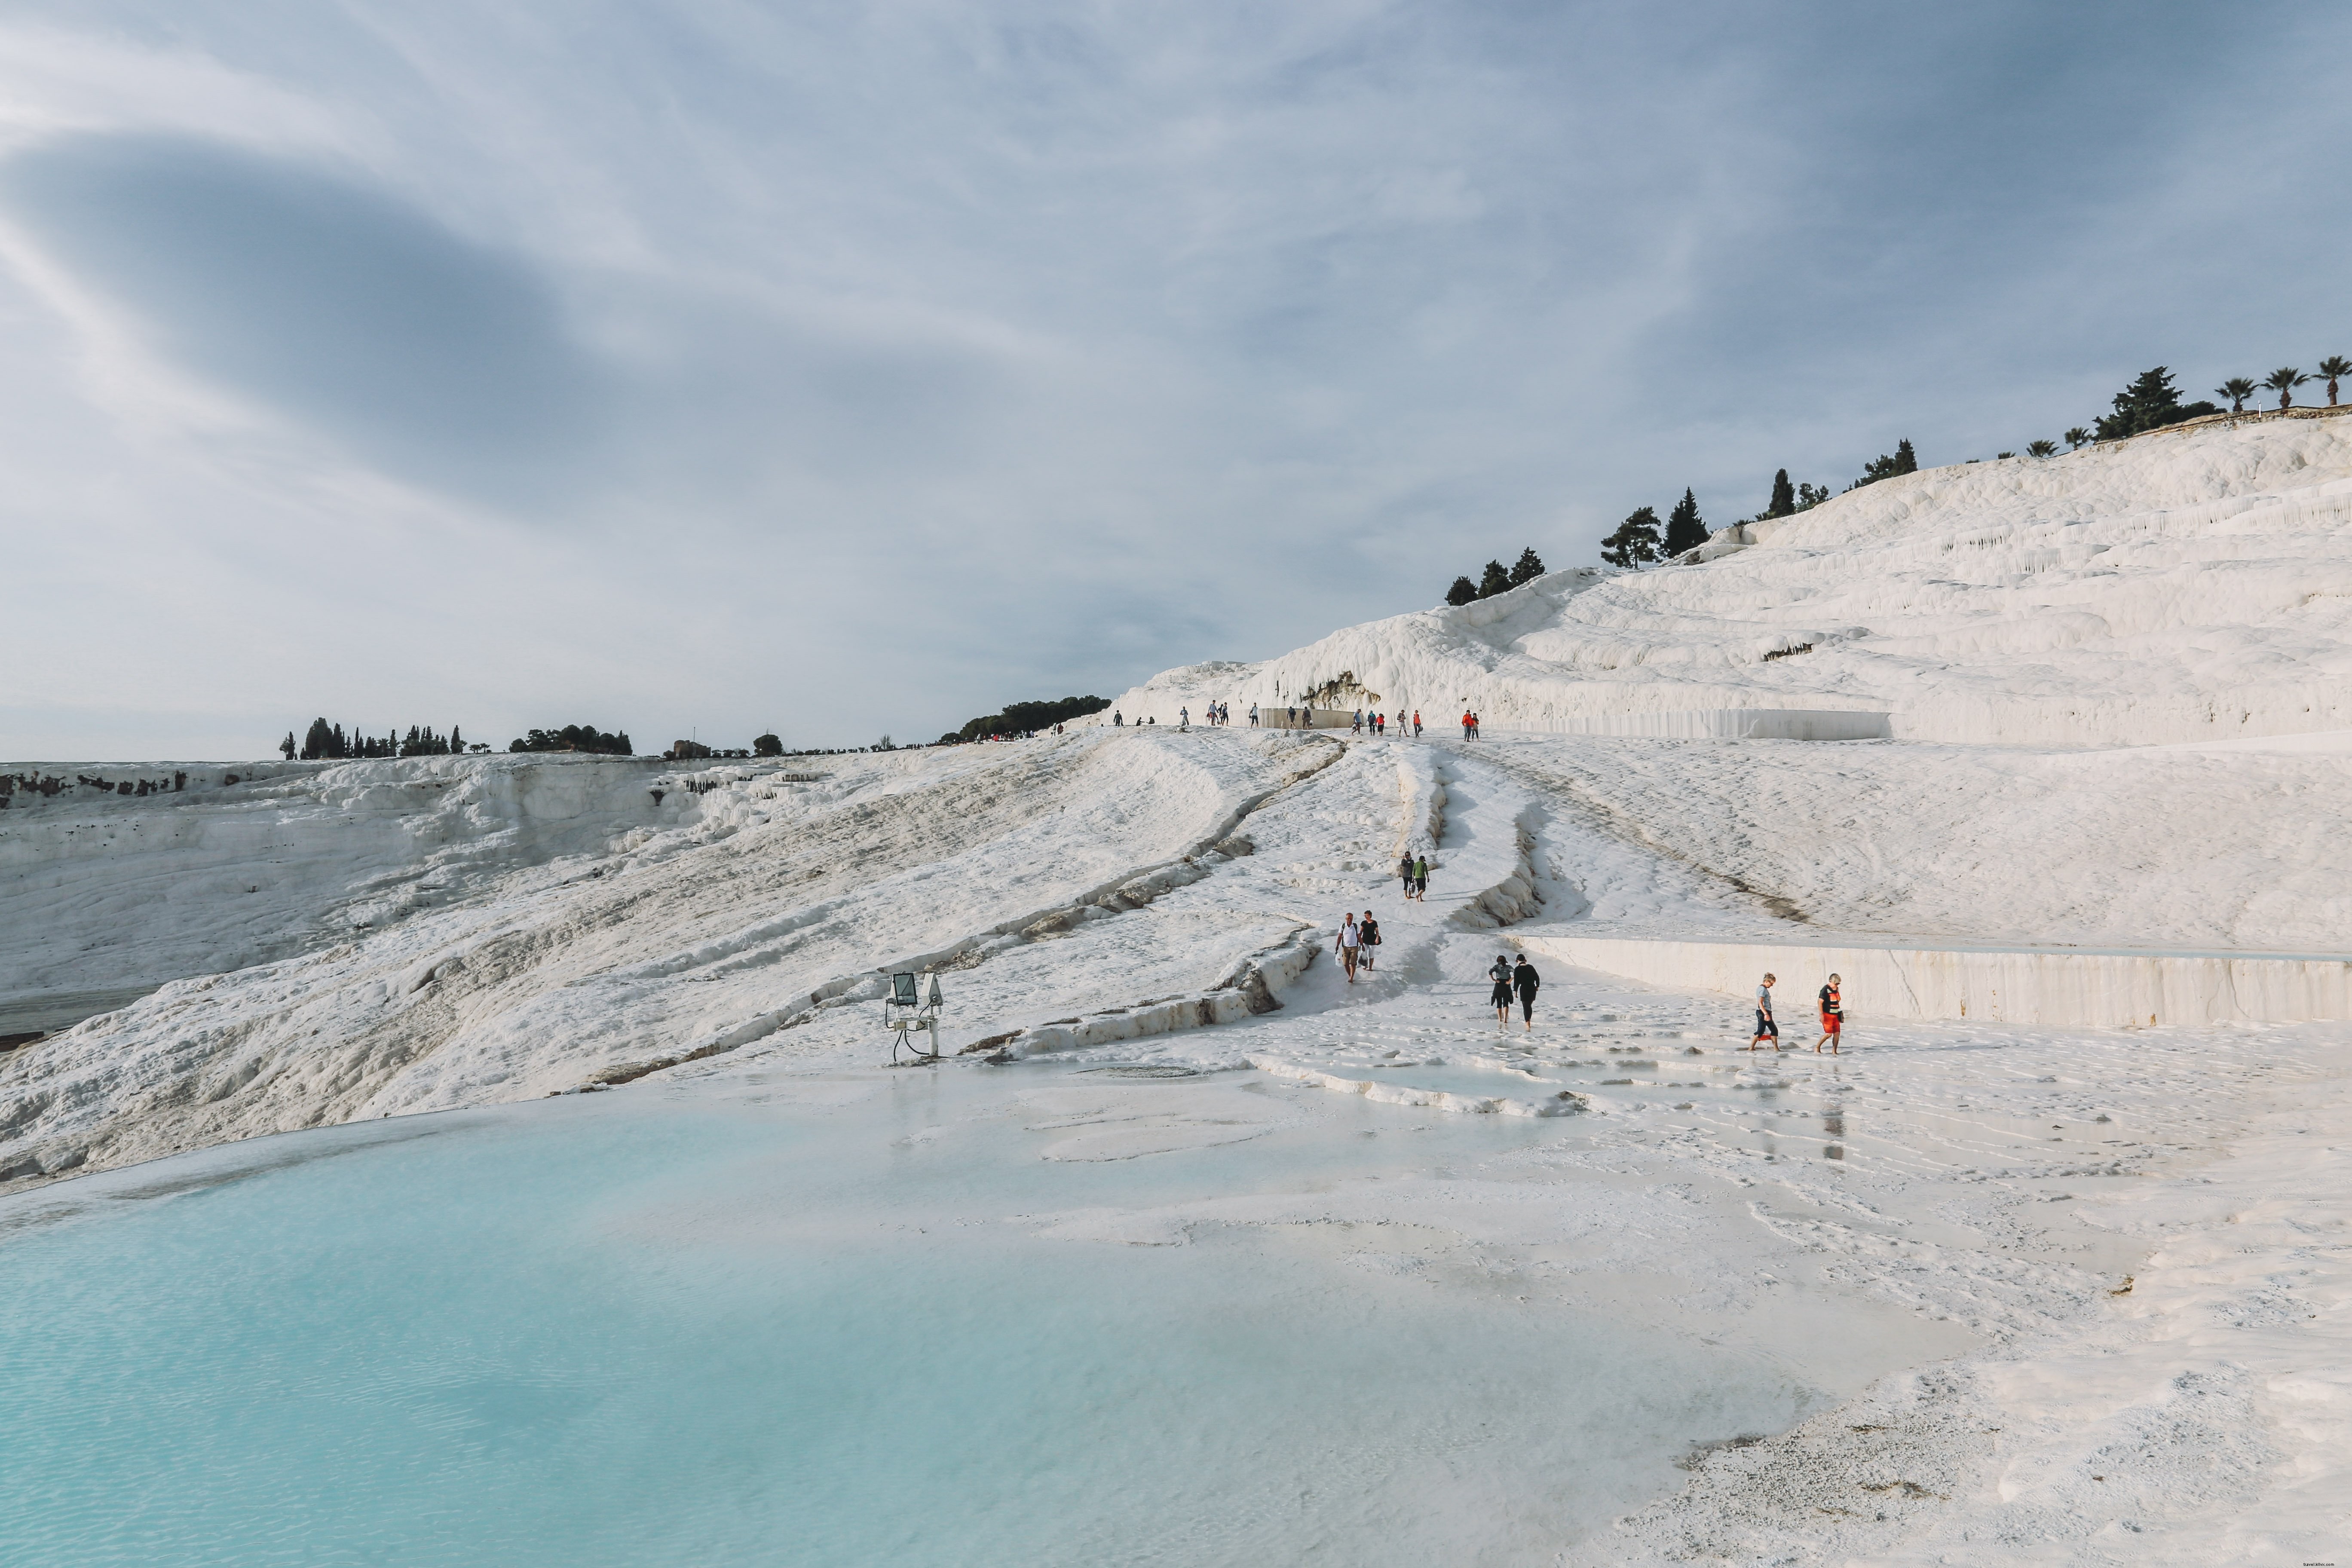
<point>1766,1029</point>
<point>1832,1017</point>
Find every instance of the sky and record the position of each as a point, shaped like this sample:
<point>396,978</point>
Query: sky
<point>717,368</point>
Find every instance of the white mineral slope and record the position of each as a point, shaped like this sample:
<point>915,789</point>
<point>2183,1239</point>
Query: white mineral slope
<point>2231,849</point>
<point>2180,586</point>
<point>215,866</point>
<point>781,896</point>
<point>2055,1295</point>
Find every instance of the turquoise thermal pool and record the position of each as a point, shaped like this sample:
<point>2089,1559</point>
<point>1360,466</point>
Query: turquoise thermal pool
<point>836,1321</point>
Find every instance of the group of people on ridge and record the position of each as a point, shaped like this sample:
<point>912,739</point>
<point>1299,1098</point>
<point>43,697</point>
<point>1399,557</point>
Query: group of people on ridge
<point>1293,716</point>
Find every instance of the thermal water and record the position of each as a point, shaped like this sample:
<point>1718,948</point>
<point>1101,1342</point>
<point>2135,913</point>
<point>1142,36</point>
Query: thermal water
<point>839,1320</point>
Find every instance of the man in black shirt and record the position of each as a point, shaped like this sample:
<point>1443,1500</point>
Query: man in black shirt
<point>1524,980</point>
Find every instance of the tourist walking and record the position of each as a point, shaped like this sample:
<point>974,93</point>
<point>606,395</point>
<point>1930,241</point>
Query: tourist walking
<point>1368,932</point>
<point>1416,724</point>
<point>1832,1017</point>
<point>1499,998</point>
<point>1420,878</point>
<point>1766,1029</point>
<point>1524,980</point>
<point>1254,716</point>
<point>1184,719</point>
<point>1356,723</point>
<point>1404,873</point>
<point>1350,946</point>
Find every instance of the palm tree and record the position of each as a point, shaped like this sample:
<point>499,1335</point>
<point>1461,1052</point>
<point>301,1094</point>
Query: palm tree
<point>2075,437</point>
<point>2284,381</point>
<point>2042,449</point>
<point>2237,389</point>
<point>2335,367</point>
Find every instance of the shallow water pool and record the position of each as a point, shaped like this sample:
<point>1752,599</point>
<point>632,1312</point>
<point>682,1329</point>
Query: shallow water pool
<point>830,1329</point>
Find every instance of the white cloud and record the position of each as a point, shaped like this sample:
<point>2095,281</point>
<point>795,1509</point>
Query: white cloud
<point>879,364</point>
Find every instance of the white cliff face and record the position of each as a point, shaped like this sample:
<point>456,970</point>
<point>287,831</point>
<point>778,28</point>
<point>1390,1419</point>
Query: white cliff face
<point>450,932</point>
<point>110,887</point>
<point>2186,586</point>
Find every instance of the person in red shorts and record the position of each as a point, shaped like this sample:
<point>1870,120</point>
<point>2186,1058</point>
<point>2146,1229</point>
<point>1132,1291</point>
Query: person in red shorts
<point>1832,1017</point>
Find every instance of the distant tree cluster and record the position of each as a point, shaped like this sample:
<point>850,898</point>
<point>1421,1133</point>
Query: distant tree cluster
<point>1019,719</point>
<point>1640,539</point>
<point>576,738</point>
<point>2152,402</point>
<point>1643,541</point>
<point>1497,579</point>
<point>323,741</point>
<point>1886,465</point>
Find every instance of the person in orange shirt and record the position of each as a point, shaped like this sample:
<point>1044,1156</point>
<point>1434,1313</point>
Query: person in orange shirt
<point>1832,1017</point>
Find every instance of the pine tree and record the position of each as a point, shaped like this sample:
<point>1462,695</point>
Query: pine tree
<point>1494,581</point>
<point>1635,542</point>
<point>1685,530</point>
<point>1882,466</point>
<point>2149,403</point>
<point>1528,568</point>
<point>1784,496</point>
<point>456,741</point>
<point>1461,592</point>
<point>287,746</point>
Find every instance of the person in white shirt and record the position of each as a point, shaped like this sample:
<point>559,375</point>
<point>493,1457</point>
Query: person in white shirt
<point>1349,945</point>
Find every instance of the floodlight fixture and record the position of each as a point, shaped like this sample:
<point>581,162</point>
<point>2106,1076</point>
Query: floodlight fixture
<point>906,1014</point>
